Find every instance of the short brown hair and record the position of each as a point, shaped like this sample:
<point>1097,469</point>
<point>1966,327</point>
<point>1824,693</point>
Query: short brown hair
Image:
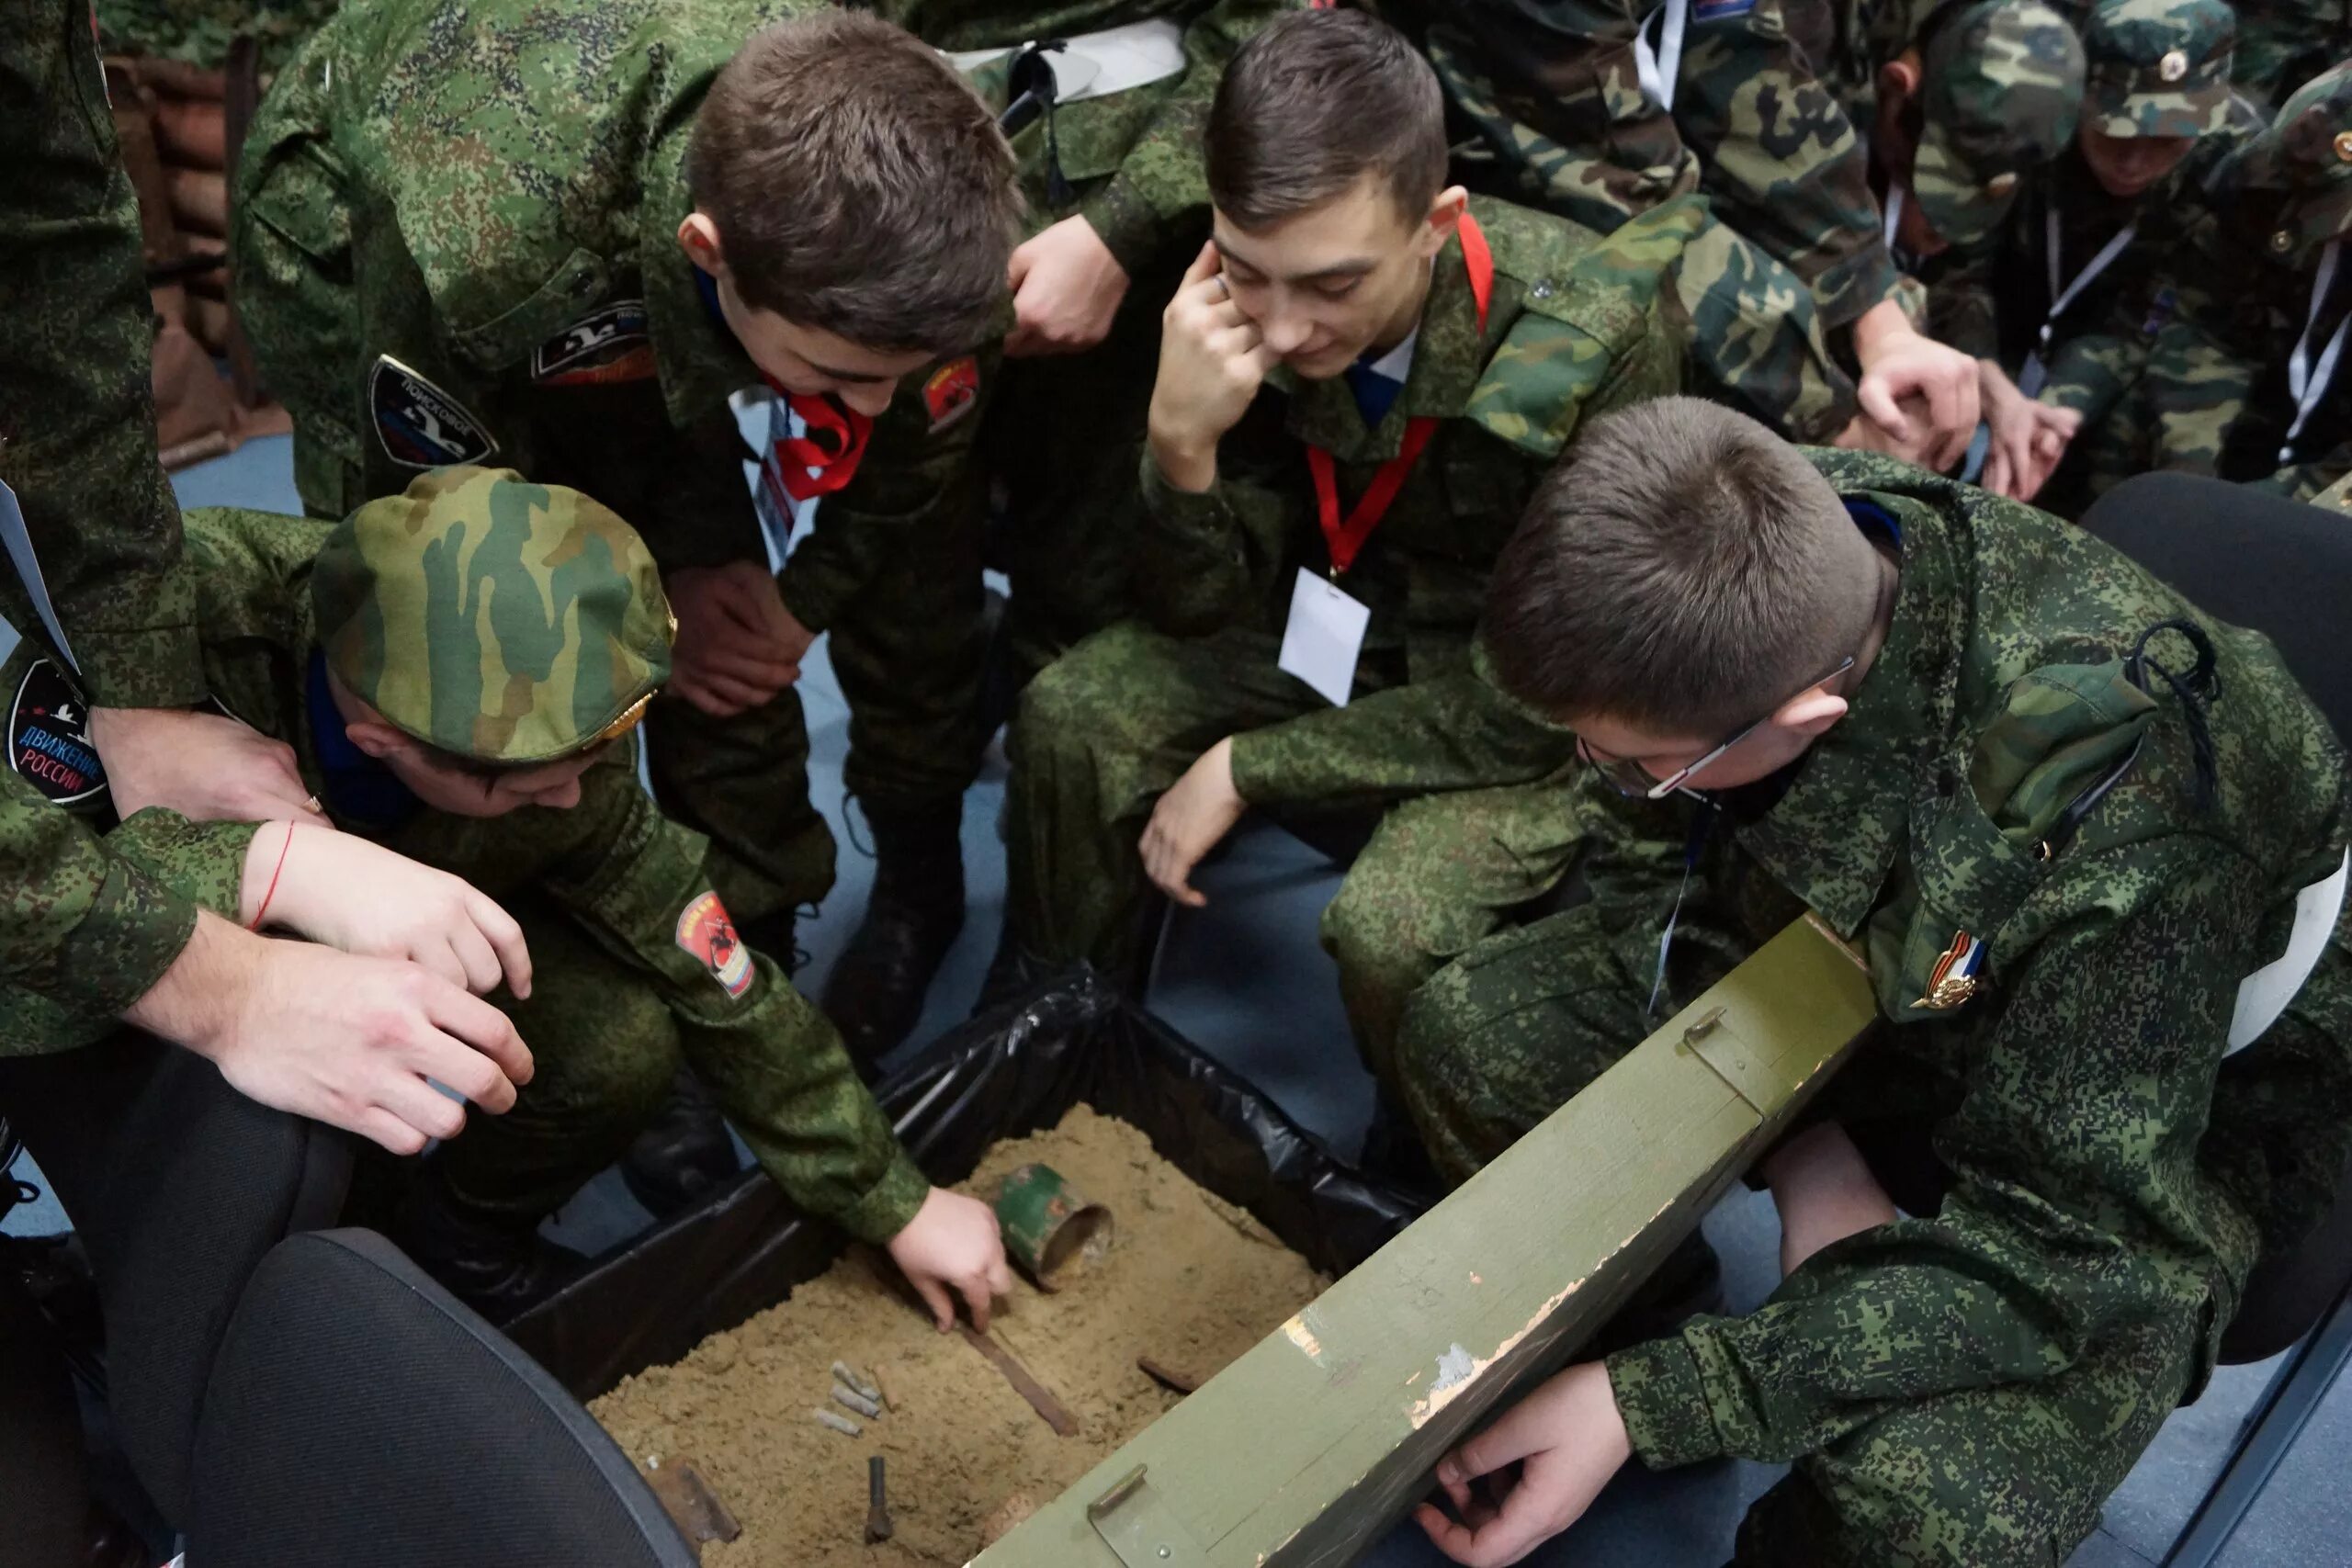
<point>1314,103</point>
<point>857,183</point>
<point>1683,569</point>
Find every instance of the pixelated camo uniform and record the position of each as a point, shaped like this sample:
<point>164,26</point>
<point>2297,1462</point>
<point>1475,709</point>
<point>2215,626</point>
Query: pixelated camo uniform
<point>200,31</point>
<point>455,238</point>
<point>1131,166</point>
<point>1760,122</point>
<point>636,962</point>
<point>1576,326</point>
<point>82,934</point>
<point>1967,1385</point>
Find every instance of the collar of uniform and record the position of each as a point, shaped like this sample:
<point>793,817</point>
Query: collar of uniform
<point>700,363</point>
<point>1832,838</point>
<point>1446,364</point>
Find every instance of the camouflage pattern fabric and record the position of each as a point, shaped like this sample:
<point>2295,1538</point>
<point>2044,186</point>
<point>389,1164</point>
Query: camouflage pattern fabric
<point>83,934</point>
<point>2000,90</point>
<point>649,966</point>
<point>1574,328</point>
<point>199,32</point>
<point>911,653</point>
<point>2284,43</point>
<point>2337,496</point>
<point>454,242</point>
<point>418,596</point>
<point>2080,1099</point>
<point>2158,67</point>
<point>2245,274</point>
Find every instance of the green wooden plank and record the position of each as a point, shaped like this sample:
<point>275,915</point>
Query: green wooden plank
<point>1311,1444</point>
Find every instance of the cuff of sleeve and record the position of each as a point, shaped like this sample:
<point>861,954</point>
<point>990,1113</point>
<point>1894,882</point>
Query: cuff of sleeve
<point>890,1203</point>
<point>812,603</point>
<point>134,930</point>
<point>1199,510</point>
<point>1663,1398</point>
<point>1255,778</point>
<point>1844,292</point>
<point>1126,223</point>
<point>201,860</point>
<point>162,667</point>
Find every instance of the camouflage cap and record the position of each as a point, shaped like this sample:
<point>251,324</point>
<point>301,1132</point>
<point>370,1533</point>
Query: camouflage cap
<point>2001,85</point>
<point>2306,156</point>
<point>498,620</point>
<point>2158,67</point>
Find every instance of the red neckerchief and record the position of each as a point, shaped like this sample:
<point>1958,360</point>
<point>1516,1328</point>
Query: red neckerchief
<point>1345,538</point>
<point>823,460</point>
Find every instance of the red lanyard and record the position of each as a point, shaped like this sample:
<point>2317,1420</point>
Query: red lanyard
<point>1345,538</point>
<point>836,442</point>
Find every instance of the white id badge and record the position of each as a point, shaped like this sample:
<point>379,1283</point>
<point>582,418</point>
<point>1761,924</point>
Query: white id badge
<point>1324,636</point>
<point>2266,993</point>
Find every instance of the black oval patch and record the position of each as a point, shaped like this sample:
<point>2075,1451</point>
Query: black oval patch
<point>420,425</point>
<point>49,745</point>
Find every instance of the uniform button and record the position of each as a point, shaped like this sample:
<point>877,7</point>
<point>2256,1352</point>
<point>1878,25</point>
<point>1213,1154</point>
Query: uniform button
<point>583,285</point>
<point>2283,241</point>
<point>2344,146</point>
<point>1543,288</point>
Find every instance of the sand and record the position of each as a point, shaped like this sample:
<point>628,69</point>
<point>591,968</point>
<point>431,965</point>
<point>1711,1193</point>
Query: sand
<point>1189,1281</point>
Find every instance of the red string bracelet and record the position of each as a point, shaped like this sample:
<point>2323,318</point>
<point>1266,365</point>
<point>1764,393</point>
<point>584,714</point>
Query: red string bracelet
<point>263,912</point>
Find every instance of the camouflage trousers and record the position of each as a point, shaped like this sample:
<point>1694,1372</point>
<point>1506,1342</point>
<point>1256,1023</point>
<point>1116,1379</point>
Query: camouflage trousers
<point>1105,731</point>
<point>605,1050</point>
<point>2011,1473</point>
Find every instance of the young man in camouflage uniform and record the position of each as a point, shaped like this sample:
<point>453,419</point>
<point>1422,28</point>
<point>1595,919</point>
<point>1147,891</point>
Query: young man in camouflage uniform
<point>1035,423</point>
<point>1356,335</point>
<point>2069,825</point>
<point>2063,293</point>
<point>1794,117</point>
<point>87,938</point>
<point>2247,380</point>
<point>458,669</point>
<point>527,229</point>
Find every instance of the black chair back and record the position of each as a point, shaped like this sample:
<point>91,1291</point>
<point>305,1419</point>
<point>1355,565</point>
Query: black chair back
<point>2285,569</point>
<point>359,1416</point>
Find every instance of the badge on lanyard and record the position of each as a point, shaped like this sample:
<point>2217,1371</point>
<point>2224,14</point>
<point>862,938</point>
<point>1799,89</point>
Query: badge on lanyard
<point>1324,636</point>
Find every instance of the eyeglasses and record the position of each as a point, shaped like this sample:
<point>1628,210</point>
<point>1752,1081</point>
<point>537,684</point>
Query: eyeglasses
<point>1627,776</point>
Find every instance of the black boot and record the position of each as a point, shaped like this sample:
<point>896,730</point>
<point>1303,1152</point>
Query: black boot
<point>494,1267</point>
<point>877,990</point>
<point>682,1153</point>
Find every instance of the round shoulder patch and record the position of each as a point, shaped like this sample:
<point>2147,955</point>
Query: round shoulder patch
<point>49,745</point>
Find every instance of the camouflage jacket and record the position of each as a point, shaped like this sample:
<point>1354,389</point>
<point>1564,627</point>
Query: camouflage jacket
<point>613,864</point>
<point>489,196</point>
<point>2284,43</point>
<point>2002,778</point>
<point>1133,161</point>
<point>79,929</point>
<point>1576,326</point>
<point>2217,374</point>
<point>200,31</point>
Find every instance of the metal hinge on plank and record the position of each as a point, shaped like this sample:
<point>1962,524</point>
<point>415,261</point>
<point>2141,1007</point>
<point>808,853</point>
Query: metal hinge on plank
<point>1136,1523</point>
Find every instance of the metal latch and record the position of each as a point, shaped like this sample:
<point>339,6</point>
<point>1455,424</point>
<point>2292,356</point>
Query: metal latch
<point>1138,1524</point>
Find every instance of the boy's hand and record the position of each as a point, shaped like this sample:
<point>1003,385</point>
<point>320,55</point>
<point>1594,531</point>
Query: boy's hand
<point>365,900</point>
<point>2028,439</point>
<point>1190,821</point>
<point>953,1243</point>
<point>207,767</point>
<point>350,1042</point>
<point>1066,288</point>
<point>1571,1440</point>
<point>1212,362</point>
<point>1903,373</point>
<point>737,644</point>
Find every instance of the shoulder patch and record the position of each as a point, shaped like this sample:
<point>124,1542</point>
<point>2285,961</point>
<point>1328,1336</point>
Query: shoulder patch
<point>705,931</point>
<point>951,391</point>
<point>48,743</point>
<point>420,425</point>
<point>610,343</point>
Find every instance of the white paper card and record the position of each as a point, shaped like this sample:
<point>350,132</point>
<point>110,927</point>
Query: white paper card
<point>2264,995</point>
<point>1324,636</point>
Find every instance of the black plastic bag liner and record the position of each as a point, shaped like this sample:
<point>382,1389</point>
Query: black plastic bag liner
<point>1012,1071</point>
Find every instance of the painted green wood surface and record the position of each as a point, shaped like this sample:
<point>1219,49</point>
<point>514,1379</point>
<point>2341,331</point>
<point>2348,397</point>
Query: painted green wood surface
<point>1309,1447</point>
